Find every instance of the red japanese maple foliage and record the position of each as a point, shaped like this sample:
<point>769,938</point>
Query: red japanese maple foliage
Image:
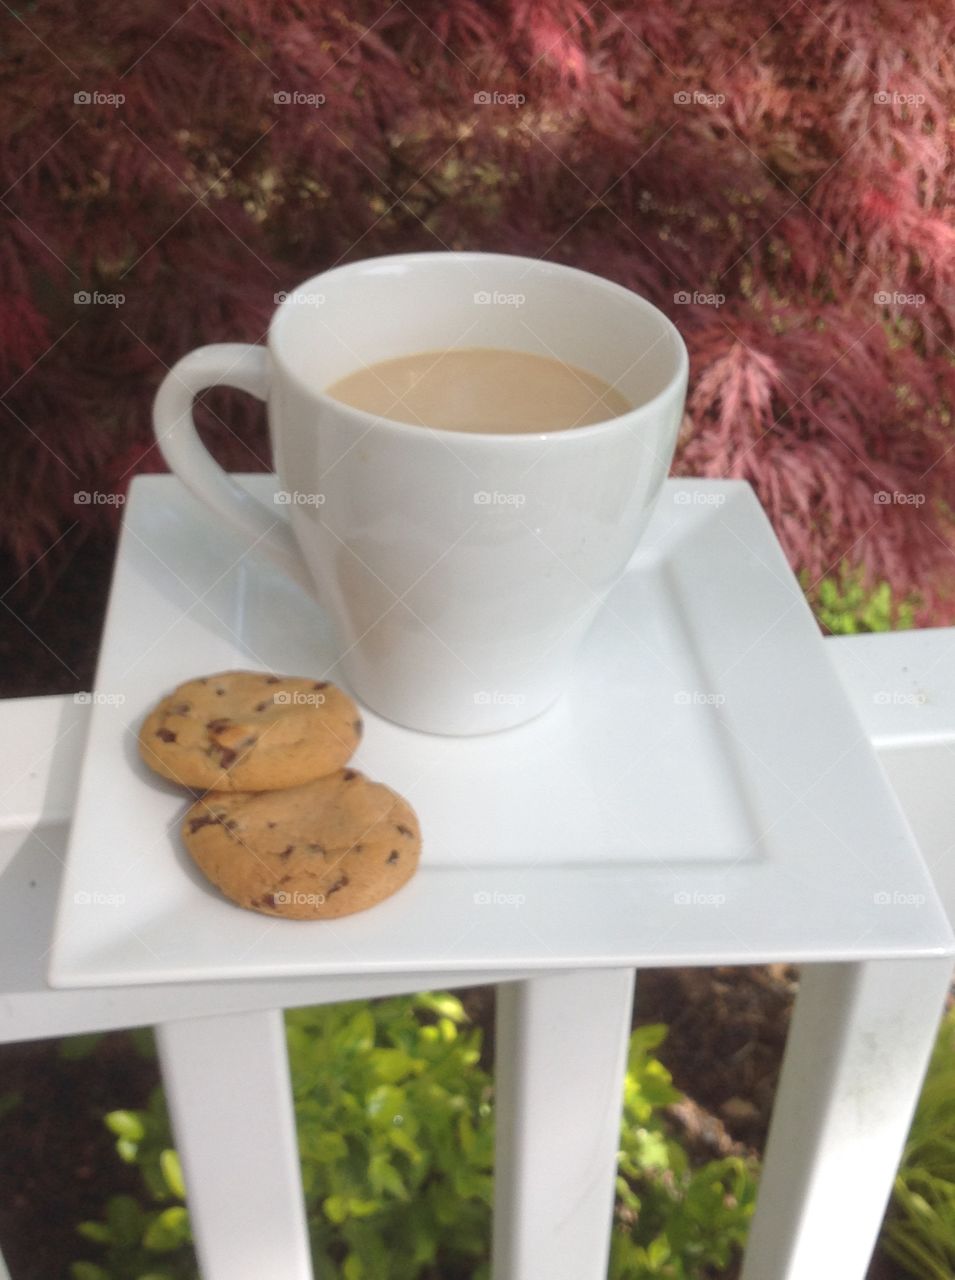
<point>779,183</point>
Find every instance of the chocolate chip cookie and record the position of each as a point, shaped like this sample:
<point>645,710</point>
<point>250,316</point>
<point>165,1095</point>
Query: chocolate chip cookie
<point>325,849</point>
<point>250,731</point>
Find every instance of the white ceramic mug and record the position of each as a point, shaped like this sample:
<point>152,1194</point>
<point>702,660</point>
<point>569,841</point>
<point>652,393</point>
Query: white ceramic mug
<point>460,570</point>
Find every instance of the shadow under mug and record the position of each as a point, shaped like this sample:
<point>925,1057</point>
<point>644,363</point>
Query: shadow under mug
<point>460,570</point>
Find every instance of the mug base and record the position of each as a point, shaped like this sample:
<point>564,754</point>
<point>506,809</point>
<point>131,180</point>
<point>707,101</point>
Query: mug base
<point>498,719</point>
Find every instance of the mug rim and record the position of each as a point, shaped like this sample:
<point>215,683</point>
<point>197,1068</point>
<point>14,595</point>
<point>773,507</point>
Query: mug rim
<point>607,425</point>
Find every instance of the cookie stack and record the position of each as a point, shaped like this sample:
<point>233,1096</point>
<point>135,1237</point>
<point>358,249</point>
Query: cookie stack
<point>283,826</point>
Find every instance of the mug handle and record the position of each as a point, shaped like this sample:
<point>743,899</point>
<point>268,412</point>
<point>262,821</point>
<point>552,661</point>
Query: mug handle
<point>230,364</point>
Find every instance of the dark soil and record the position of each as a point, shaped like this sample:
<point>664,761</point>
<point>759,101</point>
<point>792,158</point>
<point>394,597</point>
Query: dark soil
<point>727,1031</point>
<point>57,1161</point>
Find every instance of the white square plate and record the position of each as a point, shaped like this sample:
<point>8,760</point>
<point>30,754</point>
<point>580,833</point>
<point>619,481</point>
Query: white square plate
<point>702,794</point>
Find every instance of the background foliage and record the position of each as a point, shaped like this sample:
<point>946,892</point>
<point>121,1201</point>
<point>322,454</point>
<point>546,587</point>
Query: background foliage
<point>780,183</point>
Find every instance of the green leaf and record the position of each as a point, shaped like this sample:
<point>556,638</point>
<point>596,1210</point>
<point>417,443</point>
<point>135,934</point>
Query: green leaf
<point>126,1125</point>
<point>385,1178</point>
<point>326,1148</point>
<point>443,1004</point>
<point>392,1065</point>
<point>401,1140</point>
<point>168,1230</point>
<point>425,1245</point>
<point>125,1220</point>
<point>645,1038</point>
<point>466,1135</point>
<point>336,1208</point>
<point>471,1185</point>
<point>352,1268</point>
<point>658,1252</point>
<point>359,1033</point>
<point>361,1208</point>
<point>652,1150</point>
<point>97,1231</point>
<point>626,1195</point>
<point>386,1102</point>
<point>171,1171</point>
<point>379,1262</point>
<point>87,1271</point>
<point>339,1208</point>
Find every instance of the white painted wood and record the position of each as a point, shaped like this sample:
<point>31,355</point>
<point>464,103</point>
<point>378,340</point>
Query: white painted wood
<point>924,781</point>
<point>560,1060</point>
<point>230,1102</point>
<point>901,684</point>
<point>41,749</point>
<point>855,1058</point>
<point>861,1033</point>
<point>903,690</point>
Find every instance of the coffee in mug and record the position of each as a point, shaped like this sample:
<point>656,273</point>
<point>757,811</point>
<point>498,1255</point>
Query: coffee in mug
<point>481,389</point>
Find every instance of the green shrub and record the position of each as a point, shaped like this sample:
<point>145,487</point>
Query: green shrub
<point>395,1134</point>
<point>396,1137</point>
<point>844,606</point>
<point>920,1228</point>
<point>678,1222</point>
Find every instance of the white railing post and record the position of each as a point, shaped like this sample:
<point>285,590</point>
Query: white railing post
<point>230,1101</point>
<point>862,1033</point>
<point>561,1057</point>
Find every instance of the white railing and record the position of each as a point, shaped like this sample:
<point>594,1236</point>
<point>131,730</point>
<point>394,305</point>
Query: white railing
<point>857,1049</point>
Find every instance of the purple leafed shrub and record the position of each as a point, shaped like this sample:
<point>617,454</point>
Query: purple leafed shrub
<point>781,187</point>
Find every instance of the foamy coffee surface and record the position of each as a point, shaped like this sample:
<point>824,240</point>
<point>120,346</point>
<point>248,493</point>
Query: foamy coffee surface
<point>481,389</point>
